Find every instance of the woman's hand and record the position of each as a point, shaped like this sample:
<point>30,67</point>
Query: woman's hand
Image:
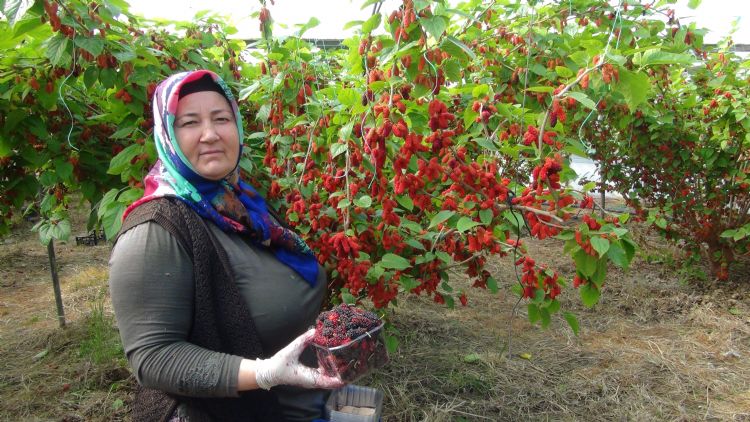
<point>285,368</point>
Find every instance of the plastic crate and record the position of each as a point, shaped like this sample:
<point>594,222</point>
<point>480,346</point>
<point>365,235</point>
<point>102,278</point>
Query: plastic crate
<point>353,360</point>
<point>354,397</point>
<point>92,239</point>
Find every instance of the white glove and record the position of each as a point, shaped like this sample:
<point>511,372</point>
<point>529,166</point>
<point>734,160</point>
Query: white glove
<point>284,368</point>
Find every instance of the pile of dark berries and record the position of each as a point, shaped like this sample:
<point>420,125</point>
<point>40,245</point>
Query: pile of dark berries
<point>349,343</point>
<point>343,324</point>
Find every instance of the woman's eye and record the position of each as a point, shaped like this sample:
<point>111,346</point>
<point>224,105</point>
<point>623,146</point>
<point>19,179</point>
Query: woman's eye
<point>187,123</point>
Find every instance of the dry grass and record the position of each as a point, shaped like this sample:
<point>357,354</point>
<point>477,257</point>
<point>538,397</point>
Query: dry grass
<point>652,349</point>
<point>46,373</point>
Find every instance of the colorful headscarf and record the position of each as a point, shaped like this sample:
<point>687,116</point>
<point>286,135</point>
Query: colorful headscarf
<point>232,204</point>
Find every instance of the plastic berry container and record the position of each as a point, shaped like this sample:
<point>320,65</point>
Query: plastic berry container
<point>353,360</point>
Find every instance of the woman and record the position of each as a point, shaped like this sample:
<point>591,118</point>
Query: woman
<point>212,296</point>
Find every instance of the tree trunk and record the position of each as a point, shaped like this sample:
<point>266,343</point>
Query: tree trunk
<point>56,282</point>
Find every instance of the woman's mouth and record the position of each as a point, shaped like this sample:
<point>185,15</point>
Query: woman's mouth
<point>212,152</point>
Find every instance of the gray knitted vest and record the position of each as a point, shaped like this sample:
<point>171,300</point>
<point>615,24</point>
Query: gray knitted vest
<point>221,318</point>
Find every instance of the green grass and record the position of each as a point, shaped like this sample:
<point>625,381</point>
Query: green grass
<point>102,342</point>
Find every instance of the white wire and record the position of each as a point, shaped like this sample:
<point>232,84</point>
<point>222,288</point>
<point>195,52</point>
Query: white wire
<point>62,99</point>
<point>606,50</point>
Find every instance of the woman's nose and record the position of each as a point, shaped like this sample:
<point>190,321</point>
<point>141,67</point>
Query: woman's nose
<point>209,133</point>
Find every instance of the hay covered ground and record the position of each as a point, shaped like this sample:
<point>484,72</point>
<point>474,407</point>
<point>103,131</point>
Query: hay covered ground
<point>659,346</point>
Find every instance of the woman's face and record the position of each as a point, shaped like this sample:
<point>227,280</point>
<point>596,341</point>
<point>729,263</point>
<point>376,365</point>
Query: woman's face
<point>207,133</point>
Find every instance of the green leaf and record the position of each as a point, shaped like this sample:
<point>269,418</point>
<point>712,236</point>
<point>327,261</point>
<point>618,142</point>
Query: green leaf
<point>347,297</point>
<point>24,26</point>
<point>351,24</point>
<point>553,306</point>
<point>346,131</point>
<point>534,314</point>
<point>55,49</point>
<point>94,45</point>
<point>466,223</point>
<point>344,203</point>
<point>90,76</point>
<point>601,272</point>
<point>452,69</point>
<point>123,132</point>
<point>312,23</point>
<point>414,243</point>
<point>515,219</point>
<point>583,99</point>
<point>129,196</point>
<point>728,233</point>
<point>408,283</point>
<point>374,273</point>
<point>443,256</point>
<point>363,201</point>
<point>456,48</point>
<point>394,261</point>
<point>45,233</point>
<point>492,285</point>
<point>486,144</point>
<point>348,97</point>
<point>371,23</point>
<point>564,72</point>
<point>600,244</point>
<point>472,358</point>
<point>480,90</point>
<point>5,147</point>
<point>589,294</point>
<point>248,91</point>
<point>572,322</point>
<point>391,343</point>
<point>541,88</point>
<point>566,235</point>
<point>121,161</point>
<point>411,226</point>
<point>657,57</point>
<point>14,10</point>
<point>469,117</point>
<point>338,149</point>
<point>629,248</point>
<point>635,87</point>
<point>421,4</point>
<point>617,255</point>
<point>546,318</point>
<point>585,263</point>
<point>48,178</point>
<point>440,217</point>
<point>486,216</point>
<point>64,170</point>
<point>60,229</point>
<point>256,135</point>
<point>406,202</point>
<point>693,4</point>
<point>435,25</point>
<point>107,77</point>
<point>112,220</point>
<point>126,55</point>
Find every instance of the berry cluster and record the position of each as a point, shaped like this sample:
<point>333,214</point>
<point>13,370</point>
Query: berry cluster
<point>349,342</point>
<point>343,324</point>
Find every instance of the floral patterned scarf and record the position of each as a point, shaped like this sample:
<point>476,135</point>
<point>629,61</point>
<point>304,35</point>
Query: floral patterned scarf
<point>232,204</point>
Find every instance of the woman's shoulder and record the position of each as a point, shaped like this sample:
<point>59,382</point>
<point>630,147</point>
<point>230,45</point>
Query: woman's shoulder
<point>171,213</point>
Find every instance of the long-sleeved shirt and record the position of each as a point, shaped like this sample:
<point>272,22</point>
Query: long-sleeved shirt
<point>152,290</point>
